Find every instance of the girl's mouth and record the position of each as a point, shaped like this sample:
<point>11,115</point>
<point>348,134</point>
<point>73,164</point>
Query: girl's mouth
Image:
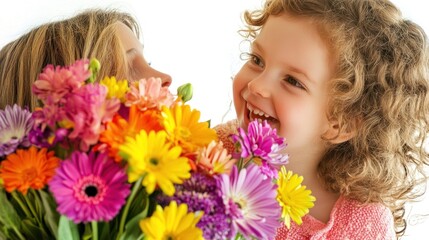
<point>257,114</point>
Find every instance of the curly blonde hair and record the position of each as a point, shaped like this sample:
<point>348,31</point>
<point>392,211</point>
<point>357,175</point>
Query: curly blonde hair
<point>380,90</point>
<point>89,34</point>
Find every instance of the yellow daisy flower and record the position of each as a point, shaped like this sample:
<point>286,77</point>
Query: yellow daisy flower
<point>174,222</point>
<point>294,198</point>
<point>152,157</point>
<point>116,89</point>
<point>184,129</point>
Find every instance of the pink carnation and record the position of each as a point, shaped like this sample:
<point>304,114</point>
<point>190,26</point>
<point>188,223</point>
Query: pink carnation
<point>87,110</point>
<point>149,93</point>
<point>56,82</point>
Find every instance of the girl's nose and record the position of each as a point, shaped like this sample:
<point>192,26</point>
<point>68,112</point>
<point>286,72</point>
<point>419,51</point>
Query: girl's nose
<point>259,87</point>
<point>166,79</point>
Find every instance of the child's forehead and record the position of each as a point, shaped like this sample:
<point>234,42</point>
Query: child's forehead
<point>291,33</point>
<point>296,45</point>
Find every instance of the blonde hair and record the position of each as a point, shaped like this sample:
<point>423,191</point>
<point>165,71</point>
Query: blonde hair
<point>380,90</point>
<point>89,34</point>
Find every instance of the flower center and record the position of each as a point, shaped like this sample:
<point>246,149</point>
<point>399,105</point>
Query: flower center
<point>183,132</point>
<point>154,161</point>
<point>236,208</point>
<point>14,135</point>
<point>90,189</point>
<point>29,174</point>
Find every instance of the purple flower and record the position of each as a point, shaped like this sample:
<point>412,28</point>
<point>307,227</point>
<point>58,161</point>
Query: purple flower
<point>46,138</point>
<point>261,142</point>
<point>15,124</point>
<point>89,187</point>
<point>250,199</point>
<point>201,193</point>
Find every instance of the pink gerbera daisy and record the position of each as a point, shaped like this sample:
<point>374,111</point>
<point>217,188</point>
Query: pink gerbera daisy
<point>89,187</point>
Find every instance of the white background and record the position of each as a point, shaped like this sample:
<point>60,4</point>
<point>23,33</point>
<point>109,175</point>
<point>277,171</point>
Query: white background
<point>194,41</point>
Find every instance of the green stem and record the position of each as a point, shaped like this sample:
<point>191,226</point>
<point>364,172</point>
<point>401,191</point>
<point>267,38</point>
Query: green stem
<point>26,211</point>
<point>248,161</point>
<point>23,207</point>
<point>127,206</point>
<point>240,164</point>
<point>238,236</point>
<point>18,233</point>
<point>94,225</point>
<point>244,163</point>
<point>31,205</point>
<point>36,199</point>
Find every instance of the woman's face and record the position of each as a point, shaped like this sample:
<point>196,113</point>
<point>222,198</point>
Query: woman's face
<point>139,67</point>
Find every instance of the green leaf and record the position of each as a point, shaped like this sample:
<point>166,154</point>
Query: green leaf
<point>105,230</point>
<point>139,204</point>
<point>87,234</point>
<point>8,215</point>
<point>67,230</point>
<point>31,230</point>
<point>132,228</point>
<point>3,233</point>
<point>51,217</point>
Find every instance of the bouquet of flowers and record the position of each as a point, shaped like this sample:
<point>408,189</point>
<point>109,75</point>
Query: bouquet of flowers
<point>119,160</point>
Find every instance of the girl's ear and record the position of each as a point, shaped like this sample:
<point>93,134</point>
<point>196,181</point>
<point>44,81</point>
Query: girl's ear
<point>337,134</point>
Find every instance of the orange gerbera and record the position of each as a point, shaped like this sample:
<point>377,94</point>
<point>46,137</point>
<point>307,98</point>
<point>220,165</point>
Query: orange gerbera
<point>31,168</point>
<point>119,128</point>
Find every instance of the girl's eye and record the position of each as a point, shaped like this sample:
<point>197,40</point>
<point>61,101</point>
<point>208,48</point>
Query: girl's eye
<point>256,60</point>
<point>292,81</point>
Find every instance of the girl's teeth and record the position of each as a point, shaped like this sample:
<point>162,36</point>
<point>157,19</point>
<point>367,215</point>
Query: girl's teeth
<point>258,112</point>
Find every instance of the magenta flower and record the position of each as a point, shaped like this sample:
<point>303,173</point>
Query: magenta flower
<point>261,142</point>
<point>15,124</point>
<point>56,82</point>
<point>250,199</point>
<point>89,187</point>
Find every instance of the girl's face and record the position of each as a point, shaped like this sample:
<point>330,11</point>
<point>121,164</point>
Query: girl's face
<point>285,81</point>
<point>139,67</point>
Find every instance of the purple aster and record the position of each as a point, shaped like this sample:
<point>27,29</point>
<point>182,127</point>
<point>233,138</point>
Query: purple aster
<point>250,199</point>
<point>261,142</point>
<point>89,187</point>
<point>15,124</point>
<point>201,193</point>
<point>45,132</point>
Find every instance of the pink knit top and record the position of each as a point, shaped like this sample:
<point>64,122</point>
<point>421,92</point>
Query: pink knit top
<point>348,220</point>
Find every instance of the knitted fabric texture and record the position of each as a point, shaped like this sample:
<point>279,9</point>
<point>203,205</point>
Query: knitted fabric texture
<point>348,220</point>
